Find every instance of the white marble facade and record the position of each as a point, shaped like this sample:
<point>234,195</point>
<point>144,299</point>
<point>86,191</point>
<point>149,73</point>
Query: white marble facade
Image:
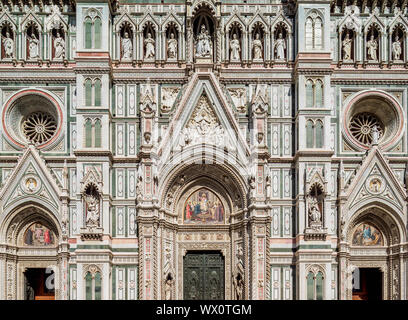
<point>290,115</point>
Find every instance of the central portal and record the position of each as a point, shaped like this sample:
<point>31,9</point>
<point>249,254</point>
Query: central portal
<point>204,276</point>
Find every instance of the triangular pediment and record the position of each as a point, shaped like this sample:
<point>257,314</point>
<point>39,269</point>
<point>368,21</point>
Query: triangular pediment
<point>30,180</point>
<point>203,117</point>
<point>31,17</point>
<point>375,181</point>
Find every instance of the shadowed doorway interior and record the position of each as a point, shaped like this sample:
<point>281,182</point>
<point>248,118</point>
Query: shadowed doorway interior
<point>367,284</point>
<point>39,284</point>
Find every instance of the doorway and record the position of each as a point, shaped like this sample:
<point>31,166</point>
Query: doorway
<point>367,284</point>
<point>39,284</point>
<point>203,276</point>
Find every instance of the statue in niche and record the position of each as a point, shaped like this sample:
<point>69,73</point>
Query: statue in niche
<point>239,286</point>
<point>375,134</point>
<point>396,49</point>
<point>8,44</point>
<point>168,285</point>
<point>280,47</point>
<point>257,47</point>
<point>203,43</point>
<point>92,211</point>
<point>59,46</point>
<point>33,42</point>
<point>315,216</point>
<point>347,42</point>
<point>372,46</point>
<point>172,47</point>
<point>149,44</point>
<point>127,47</point>
<point>235,48</point>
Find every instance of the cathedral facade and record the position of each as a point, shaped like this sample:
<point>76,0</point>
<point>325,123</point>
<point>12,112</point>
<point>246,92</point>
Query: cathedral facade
<point>203,149</point>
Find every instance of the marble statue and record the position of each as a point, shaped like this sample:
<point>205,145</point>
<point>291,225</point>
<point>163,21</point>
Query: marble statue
<point>314,211</point>
<point>239,287</point>
<point>168,288</point>
<point>280,47</point>
<point>372,46</point>
<point>203,43</point>
<point>257,47</point>
<point>33,43</point>
<point>172,47</point>
<point>396,49</point>
<point>235,48</point>
<point>8,44</point>
<point>59,46</point>
<point>375,135</point>
<point>347,42</point>
<point>92,211</point>
<point>127,47</point>
<point>149,44</point>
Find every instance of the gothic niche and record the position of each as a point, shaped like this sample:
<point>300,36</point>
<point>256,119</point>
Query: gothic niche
<point>397,45</point>
<point>126,42</point>
<point>58,44</point>
<point>172,36</point>
<point>203,28</point>
<point>347,45</point>
<point>315,208</point>
<point>280,44</point>
<point>7,42</point>
<point>149,42</point>
<point>372,45</point>
<point>92,212</point>
<point>168,287</point>
<point>238,275</point>
<point>235,35</point>
<point>258,35</point>
<point>32,42</point>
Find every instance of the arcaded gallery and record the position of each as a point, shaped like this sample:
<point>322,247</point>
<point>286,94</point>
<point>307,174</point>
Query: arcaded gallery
<point>203,149</point>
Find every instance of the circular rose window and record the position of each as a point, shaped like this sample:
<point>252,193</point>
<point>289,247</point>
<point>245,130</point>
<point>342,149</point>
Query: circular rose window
<point>32,116</point>
<point>39,127</point>
<point>372,111</point>
<point>361,127</point>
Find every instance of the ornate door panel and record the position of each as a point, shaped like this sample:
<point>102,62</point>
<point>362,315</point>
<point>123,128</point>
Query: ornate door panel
<point>203,276</point>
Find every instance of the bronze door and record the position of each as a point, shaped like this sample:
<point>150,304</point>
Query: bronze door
<point>203,276</point>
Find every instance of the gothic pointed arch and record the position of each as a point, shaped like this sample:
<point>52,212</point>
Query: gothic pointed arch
<point>199,5</point>
<point>171,18</point>
<point>148,18</point>
<point>281,19</point>
<point>123,20</point>
<point>30,18</point>
<point>258,19</point>
<point>56,21</point>
<point>235,19</point>
<point>398,21</point>
<point>6,19</point>
<point>375,22</point>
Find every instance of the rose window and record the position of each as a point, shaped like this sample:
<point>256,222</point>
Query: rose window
<point>361,126</point>
<point>39,127</point>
